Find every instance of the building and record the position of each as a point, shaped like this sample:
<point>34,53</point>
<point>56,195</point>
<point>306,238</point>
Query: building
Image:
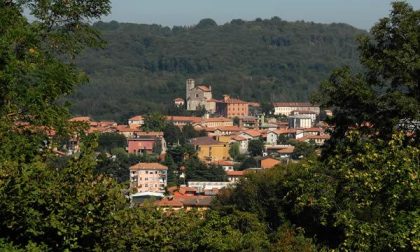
<point>235,176</point>
<point>300,121</point>
<point>216,122</point>
<point>145,142</point>
<point>181,121</point>
<point>317,139</point>
<point>179,102</point>
<point>198,97</point>
<point>148,177</point>
<point>286,108</point>
<point>230,107</point>
<point>210,150</point>
<point>269,162</point>
<point>136,121</point>
<point>243,143</point>
<point>310,114</point>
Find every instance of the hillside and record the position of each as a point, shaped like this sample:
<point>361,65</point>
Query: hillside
<point>144,67</point>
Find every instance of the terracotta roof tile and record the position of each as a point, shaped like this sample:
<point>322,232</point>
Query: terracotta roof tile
<point>148,166</point>
<point>204,141</point>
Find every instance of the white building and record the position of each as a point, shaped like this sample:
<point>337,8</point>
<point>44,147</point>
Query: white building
<point>286,108</point>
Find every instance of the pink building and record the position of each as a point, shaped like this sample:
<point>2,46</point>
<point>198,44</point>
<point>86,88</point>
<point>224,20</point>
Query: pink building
<point>143,142</point>
<point>148,177</point>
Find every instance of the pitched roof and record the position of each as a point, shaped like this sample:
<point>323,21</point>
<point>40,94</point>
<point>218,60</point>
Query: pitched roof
<point>149,133</point>
<point>125,128</point>
<point>293,104</point>
<point>169,202</point>
<point>233,100</point>
<point>238,138</point>
<point>253,133</point>
<point>204,141</point>
<point>217,119</point>
<point>136,118</point>
<point>235,173</point>
<point>197,201</point>
<point>80,119</point>
<point>204,88</point>
<point>224,163</point>
<point>313,130</point>
<point>191,119</point>
<point>148,166</point>
<point>288,150</point>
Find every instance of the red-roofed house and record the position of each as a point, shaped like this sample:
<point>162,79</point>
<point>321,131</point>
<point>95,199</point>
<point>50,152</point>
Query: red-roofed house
<point>148,177</point>
<point>269,162</point>
<point>144,142</point>
<point>230,107</point>
<point>136,121</point>
<point>234,176</point>
<point>286,108</point>
<point>179,102</point>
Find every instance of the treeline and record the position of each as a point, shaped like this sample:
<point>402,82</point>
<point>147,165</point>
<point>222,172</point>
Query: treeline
<point>144,67</point>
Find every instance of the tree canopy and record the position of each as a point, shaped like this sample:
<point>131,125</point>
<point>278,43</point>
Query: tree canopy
<point>144,67</point>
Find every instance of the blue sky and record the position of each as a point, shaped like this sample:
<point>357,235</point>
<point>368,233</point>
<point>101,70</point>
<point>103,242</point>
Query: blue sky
<point>359,13</point>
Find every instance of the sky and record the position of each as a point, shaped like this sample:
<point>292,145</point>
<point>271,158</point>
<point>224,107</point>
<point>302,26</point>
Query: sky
<point>359,13</point>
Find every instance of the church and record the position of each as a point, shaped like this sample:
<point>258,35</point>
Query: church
<point>199,97</point>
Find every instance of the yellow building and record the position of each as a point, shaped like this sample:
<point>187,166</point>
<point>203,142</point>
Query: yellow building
<point>210,150</point>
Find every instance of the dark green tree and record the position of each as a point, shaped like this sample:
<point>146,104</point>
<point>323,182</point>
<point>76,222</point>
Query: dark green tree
<point>172,133</point>
<point>386,96</point>
<point>236,121</point>
<point>234,150</point>
<point>109,141</point>
<point>199,171</point>
<point>154,122</point>
<point>267,108</point>
<point>256,147</point>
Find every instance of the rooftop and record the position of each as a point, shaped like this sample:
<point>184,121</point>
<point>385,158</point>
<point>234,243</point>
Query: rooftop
<point>293,104</point>
<point>148,166</point>
<point>204,141</point>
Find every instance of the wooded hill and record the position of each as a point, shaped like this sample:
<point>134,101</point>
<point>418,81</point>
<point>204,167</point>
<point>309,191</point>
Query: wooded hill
<point>144,67</point>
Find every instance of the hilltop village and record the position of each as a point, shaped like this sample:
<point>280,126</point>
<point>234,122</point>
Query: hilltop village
<point>183,161</point>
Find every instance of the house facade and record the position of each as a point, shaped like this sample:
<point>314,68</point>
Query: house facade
<point>286,108</point>
<point>230,107</point>
<point>198,97</point>
<point>144,142</point>
<point>148,177</point>
<point>209,150</point>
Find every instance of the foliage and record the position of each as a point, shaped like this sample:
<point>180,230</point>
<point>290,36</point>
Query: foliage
<point>144,67</point>
<point>236,121</point>
<point>154,122</point>
<point>198,171</point>
<point>234,151</point>
<point>302,149</point>
<point>117,165</point>
<point>172,134</point>
<point>109,141</point>
<point>267,108</point>
<point>386,95</point>
<point>256,147</point>
<point>248,162</point>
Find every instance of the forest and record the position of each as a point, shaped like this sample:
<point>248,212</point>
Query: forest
<point>144,67</point>
<point>361,194</point>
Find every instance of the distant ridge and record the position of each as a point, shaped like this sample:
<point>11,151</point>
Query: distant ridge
<point>144,67</point>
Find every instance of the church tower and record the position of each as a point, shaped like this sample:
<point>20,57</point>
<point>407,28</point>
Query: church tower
<point>190,84</point>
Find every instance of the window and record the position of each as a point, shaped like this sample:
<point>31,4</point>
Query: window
<point>146,185</point>
<point>147,172</point>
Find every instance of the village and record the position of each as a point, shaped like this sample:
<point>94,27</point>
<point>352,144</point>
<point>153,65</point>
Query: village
<point>234,135</point>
